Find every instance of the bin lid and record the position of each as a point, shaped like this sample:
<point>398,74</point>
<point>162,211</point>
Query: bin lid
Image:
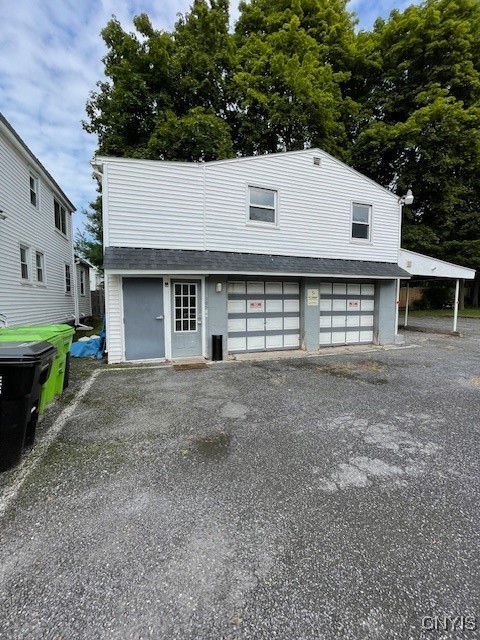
<point>50,331</point>
<point>31,334</point>
<point>25,352</point>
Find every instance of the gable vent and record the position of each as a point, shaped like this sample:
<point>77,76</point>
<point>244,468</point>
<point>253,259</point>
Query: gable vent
<point>316,161</point>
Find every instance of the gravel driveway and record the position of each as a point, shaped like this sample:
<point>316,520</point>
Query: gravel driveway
<point>329,497</point>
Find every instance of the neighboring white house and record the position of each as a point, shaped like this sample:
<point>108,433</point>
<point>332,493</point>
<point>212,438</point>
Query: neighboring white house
<point>84,289</point>
<point>283,251</point>
<point>37,265</point>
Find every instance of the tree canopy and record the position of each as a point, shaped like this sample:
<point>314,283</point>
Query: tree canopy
<point>401,102</point>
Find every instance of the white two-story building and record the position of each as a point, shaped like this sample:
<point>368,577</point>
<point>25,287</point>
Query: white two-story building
<point>285,251</point>
<point>41,280</point>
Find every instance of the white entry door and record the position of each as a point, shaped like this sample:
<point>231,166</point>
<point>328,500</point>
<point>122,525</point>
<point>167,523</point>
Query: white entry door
<point>186,318</point>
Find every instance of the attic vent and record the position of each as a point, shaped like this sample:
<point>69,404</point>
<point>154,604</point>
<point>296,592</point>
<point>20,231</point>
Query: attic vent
<point>316,161</point>
<point>409,264</point>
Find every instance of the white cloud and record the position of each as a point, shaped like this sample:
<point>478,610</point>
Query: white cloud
<point>51,58</point>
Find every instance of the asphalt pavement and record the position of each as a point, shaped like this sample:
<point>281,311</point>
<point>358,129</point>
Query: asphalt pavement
<point>325,497</point>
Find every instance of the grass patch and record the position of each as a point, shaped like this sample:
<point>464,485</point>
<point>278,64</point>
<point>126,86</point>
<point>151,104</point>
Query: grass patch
<point>442,313</point>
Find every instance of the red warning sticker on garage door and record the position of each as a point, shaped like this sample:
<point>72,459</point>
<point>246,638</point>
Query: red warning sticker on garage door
<point>255,305</point>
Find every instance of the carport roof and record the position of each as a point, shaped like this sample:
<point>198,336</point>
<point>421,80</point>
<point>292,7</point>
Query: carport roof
<point>418,264</point>
<point>176,261</point>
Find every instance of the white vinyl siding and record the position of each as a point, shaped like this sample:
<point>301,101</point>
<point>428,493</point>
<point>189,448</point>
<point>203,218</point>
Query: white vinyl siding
<point>35,229</point>
<point>152,208</point>
<point>114,318</point>
<point>203,206</point>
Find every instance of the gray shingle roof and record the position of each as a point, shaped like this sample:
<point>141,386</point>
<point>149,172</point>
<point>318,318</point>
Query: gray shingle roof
<point>178,261</point>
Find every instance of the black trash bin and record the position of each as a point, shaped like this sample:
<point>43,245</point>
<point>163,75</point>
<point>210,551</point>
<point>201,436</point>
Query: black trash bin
<point>24,369</point>
<point>217,347</point>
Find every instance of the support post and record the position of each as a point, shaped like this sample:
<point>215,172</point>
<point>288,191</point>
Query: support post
<point>406,304</point>
<point>397,295</point>
<point>455,306</point>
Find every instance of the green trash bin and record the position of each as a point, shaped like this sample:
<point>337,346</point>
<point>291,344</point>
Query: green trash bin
<point>60,336</point>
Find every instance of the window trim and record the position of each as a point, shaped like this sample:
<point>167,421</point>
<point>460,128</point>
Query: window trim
<point>261,223</point>
<point>43,282</point>
<point>27,262</point>
<point>36,182</point>
<point>368,224</point>
<point>68,291</point>
<point>60,208</point>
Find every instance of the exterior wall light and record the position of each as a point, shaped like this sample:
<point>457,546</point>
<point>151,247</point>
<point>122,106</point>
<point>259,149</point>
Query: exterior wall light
<point>218,287</point>
<point>407,198</point>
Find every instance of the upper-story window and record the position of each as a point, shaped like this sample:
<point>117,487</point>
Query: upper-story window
<point>361,221</point>
<point>34,190</point>
<point>24,262</point>
<point>60,217</point>
<point>262,205</point>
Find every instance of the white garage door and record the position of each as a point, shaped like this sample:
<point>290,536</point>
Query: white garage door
<point>263,315</point>
<point>346,313</point>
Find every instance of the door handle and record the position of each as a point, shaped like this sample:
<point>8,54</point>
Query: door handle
<point>159,318</point>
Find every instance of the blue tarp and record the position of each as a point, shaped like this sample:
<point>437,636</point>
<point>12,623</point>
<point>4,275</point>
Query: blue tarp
<point>87,349</point>
<point>93,348</point>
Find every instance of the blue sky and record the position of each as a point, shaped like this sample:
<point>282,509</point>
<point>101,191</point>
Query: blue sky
<point>51,58</point>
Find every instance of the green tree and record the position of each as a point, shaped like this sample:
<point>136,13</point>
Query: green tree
<point>420,122</point>
<point>292,60</point>
<point>89,243</point>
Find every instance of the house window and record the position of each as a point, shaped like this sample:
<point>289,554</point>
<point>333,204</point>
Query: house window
<point>82,282</point>
<point>24,259</point>
<point>262,205</point>
<point>68,279</point>
<point>40,266</point>
<point>361,220</point>
<point>34,191</point>
<point>60,217</point>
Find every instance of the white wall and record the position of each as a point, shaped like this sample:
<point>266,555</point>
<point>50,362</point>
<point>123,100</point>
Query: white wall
<point>31,302</point>
<point>114,318</point>
<point>188,206</point>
